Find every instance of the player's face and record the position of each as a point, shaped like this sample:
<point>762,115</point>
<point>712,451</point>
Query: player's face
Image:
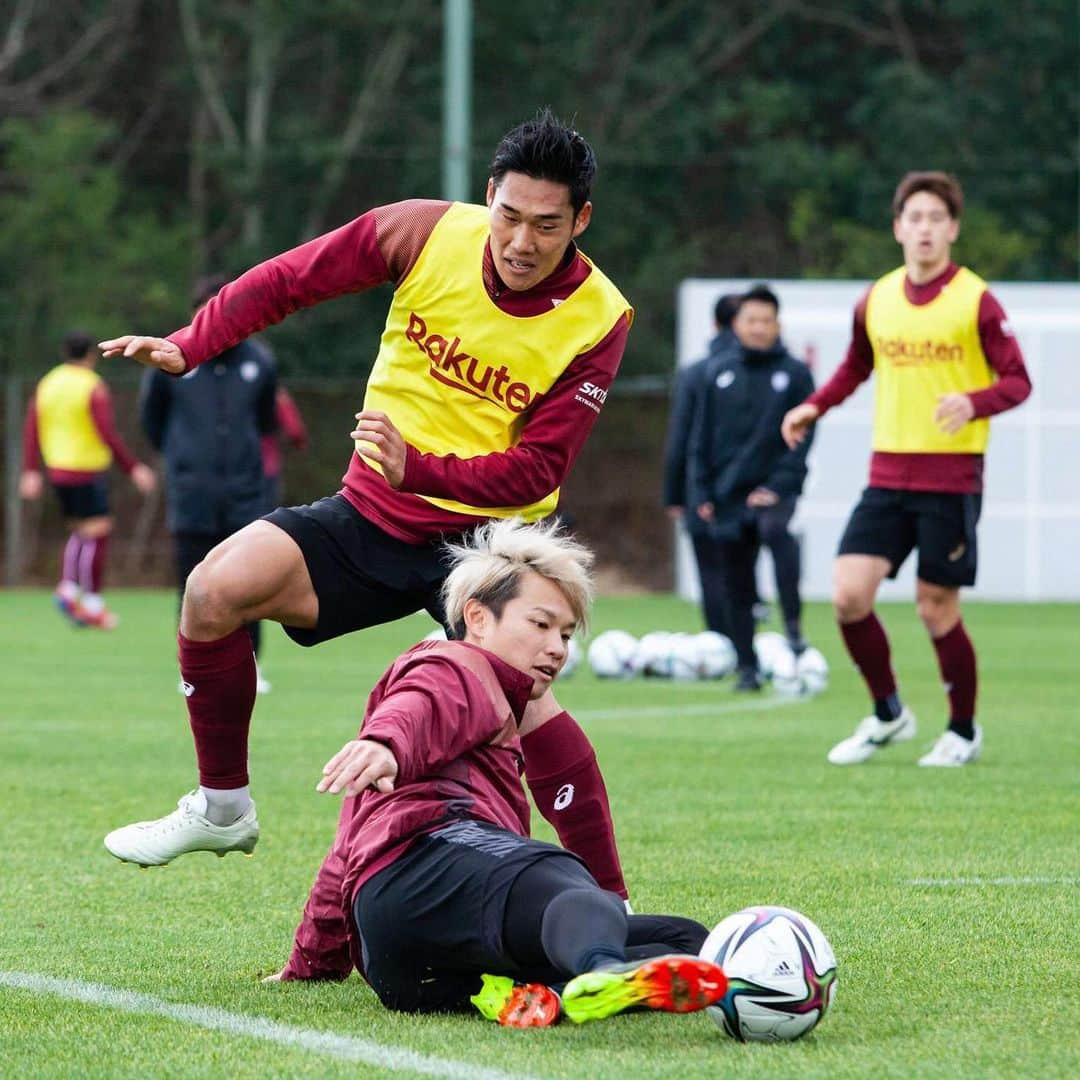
<point>532,222</point>
<point>533,632</point>
<point>926,231</point>
<point>756,325</point>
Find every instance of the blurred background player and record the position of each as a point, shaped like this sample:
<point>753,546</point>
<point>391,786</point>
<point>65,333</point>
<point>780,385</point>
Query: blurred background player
<point>69,426</point>
<point>744,481</point>
<point>209,426</point>
<point>433,887</point>
<point>290,429</point>
<point>686,398</point>
<point>500,345</point>
<point>944,360</point>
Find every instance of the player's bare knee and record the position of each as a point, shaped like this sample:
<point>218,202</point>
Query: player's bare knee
<point>851,605</point>
<point>938,612</point>
<point>207,607</point>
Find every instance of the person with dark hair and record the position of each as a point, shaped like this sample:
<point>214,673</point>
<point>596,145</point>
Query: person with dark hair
<point>944,361</point>
<point>433,888</point>
<point>208,426</point>
<point>744,481</point>
<point>69,426</point>
<point>500,345</point>
<point>686,398</point>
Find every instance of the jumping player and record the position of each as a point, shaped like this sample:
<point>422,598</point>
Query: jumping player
<point>69,425</point>
<point>433,888</point>
<point>945,360</point>
<point>500,345</point>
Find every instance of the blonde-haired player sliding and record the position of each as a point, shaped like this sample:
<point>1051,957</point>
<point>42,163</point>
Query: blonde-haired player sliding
<point>433,888</point>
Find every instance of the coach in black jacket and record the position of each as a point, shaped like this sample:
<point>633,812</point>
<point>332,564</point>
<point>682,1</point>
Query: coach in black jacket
<point>742,479</point>
<point>207,425</point>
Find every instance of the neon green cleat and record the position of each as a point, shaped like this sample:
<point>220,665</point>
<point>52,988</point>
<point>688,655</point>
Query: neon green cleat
<point>518,1005</point>
<point>668,983</point>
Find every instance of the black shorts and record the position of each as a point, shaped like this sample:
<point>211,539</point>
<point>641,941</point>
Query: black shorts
<point>80,501</point>
<point>941,525</point>
<point>362,576</point>
<point>432,921</point>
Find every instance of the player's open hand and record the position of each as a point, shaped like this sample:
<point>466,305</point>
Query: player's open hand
<point>31,484</point>
<point>151,351</point>
<point>797,422</point>
<point>761,497</point>
<point>706,511</point>
<point>359,764</point>
<point>953,412</point>
<point>144,478</point>
<point>378,440</point>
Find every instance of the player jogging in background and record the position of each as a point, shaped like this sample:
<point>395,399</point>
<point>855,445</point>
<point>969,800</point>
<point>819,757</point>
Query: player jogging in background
<point>433,888</point>
<point>944,360</point>
<point>499,347</point>
<point>69,426</point>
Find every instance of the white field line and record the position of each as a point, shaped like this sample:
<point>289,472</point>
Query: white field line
<point>341,1047</point>
<point>681,708</point>
<point>944,883</point>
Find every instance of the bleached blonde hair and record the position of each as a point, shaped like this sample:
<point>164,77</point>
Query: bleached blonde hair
<point>489,564</point>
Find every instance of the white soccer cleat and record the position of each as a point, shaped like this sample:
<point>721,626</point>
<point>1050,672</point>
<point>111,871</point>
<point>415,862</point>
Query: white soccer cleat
<point>155,843</point>
<point>262,683</point>
<point>871,735</point>
<point>952,750</point>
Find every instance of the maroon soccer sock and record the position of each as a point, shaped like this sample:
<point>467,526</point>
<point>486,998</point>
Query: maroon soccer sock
<point>565,781</point>
<point>97,562</point>
<point>959,672</point>
<point>868,645</point>
<point>69,561</point>
<point>219,684</point>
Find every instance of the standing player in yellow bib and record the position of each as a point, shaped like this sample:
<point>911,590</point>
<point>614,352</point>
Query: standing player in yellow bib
<point>69,427</point>
<point>500,345</point>
<point>944,361</point>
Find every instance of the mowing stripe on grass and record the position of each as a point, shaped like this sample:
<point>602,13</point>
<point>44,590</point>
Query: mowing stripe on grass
<point>341,1047</point>
<point>949,882</point>
<point>702,709</point>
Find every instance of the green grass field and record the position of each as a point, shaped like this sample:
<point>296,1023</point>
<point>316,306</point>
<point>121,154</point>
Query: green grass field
<point>949,896</point>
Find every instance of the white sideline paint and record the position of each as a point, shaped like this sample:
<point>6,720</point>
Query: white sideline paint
<point>341,1047</point>
<point>949,882</point>
<point>683,709</point>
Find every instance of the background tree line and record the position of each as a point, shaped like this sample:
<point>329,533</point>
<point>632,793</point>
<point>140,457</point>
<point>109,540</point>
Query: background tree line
<point>143,142</point>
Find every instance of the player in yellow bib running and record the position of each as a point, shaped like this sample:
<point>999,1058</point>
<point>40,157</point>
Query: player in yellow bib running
<point>944,360</point>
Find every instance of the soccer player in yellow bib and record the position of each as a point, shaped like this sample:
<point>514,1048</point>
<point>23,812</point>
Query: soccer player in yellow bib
<point>944,360</point>
<point>499,347</point>
<point>69,427</point>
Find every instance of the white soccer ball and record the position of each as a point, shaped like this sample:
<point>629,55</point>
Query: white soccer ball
<point>786,678</point>
<point>813,671</point>
<point>769,646</point>
<point>781,974</point>
<point>715,655</point>
<point>612,654</point>
<point>654,654</point>
<point>684,657</point>
<point>573,658</point>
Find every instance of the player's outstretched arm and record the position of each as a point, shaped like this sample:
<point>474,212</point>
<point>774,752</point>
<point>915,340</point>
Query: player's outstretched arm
<point>151,351</point>
<point>797,422</point>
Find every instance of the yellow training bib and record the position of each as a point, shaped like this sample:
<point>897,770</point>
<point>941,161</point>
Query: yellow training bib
<point>66,430</point>
<point>456,374</point>
<point>920,353</point>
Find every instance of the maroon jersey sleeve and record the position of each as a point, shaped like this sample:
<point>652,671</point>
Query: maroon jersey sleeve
<point>31,443</point>
<point>854,369</point>
<point>1002,350</point>
<point>551,439</point>
<point>321,944</point>
<point>101,411</point>
<point>377,247</point>
<point>290,422</point>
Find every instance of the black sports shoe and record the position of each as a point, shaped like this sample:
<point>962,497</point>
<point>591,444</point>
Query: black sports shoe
<point>748,680</point>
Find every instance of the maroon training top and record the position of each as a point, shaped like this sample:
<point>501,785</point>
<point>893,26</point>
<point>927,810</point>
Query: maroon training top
<point>382,246</point>
<point>934,472</point>
<point>450,714</point>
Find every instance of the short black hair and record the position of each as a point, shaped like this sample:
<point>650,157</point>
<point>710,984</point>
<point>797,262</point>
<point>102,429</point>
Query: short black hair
<point>77,343</point>
<point>762,294</point>
<point>206,288</point>
<point>547,149</point>
<point>726,308</point>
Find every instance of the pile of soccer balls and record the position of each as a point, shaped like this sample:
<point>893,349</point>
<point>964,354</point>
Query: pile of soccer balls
<point>781,974</point>
<point>615,654</point>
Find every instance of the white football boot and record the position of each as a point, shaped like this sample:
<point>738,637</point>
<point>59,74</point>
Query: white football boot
<point>952,750</point>
<point>262,684</point>
<point>871,735</point>
<point>155,843</point>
